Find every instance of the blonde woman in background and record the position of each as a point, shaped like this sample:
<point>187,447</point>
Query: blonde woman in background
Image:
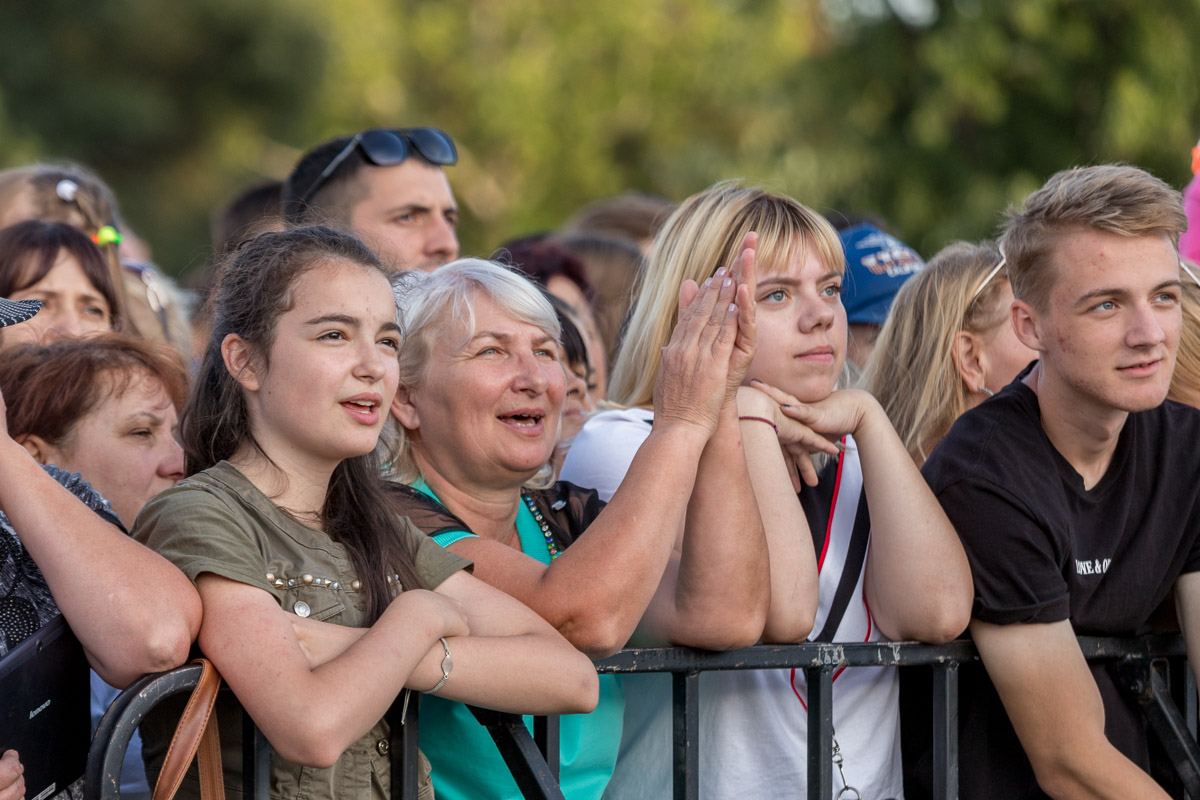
<point>1185,383</point>
<point>947,345</point>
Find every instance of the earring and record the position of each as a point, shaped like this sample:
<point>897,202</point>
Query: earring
<point>987,391</point>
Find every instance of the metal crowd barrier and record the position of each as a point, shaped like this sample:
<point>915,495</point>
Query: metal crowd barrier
<point>102,779</point>
<point>1143,666</point>
<point>1139,659</point>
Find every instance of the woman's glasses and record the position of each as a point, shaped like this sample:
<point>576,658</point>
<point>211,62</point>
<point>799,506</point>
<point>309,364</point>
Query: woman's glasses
<point>386,147</point>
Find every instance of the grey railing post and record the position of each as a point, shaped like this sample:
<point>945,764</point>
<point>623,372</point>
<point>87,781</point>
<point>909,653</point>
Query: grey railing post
<point>520,754</point>
<point>1142,677</point>
<point>404,721</point>
<point>256,760</point>
<point>1189,697</point>
<point>945,731</point>
<point>685,690</point>
<point>545,734</point>
<point>820,732</point>
<point>102,778</point>
<point>1189,704</point>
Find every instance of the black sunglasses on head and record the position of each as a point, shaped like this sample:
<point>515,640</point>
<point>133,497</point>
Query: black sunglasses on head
<point>386,147</point>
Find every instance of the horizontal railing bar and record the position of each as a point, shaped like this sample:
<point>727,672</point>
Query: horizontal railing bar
<point>819,657</point>
<point>809,654</point>
<point>861,654</point>
<point>1159,645</point>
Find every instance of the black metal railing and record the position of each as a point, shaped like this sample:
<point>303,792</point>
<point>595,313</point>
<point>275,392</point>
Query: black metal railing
<point>1140,665</point>
<point>102,778</point>
<point>1138,656</point>
<point>526,761</point>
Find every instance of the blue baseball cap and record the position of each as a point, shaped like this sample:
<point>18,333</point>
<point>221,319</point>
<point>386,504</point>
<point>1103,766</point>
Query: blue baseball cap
<point>877,265</point>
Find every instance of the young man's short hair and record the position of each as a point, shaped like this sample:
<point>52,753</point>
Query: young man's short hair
<point>1115,198</point>
<point>253,210</point>
<point>340,192</point>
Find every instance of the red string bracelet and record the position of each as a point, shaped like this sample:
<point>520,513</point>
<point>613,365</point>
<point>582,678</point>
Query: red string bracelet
<point>762,419</point>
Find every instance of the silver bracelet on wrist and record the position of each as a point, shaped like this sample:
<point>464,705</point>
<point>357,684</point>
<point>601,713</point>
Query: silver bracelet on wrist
<point>447,665</point>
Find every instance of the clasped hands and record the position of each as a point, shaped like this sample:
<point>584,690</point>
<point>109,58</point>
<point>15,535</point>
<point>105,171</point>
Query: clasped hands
<point>805,429</point>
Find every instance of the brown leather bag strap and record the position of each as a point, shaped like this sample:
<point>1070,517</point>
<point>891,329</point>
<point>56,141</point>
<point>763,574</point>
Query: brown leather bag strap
<point>197,730</point>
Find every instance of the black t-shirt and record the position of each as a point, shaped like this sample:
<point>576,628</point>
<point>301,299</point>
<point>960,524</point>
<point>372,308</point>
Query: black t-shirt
<point>1043,548</point>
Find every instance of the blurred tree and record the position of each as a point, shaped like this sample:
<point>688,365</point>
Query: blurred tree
<point>933,113</point>
<point>169,102</point>
<point>939,127</point>
<point>556,107</point>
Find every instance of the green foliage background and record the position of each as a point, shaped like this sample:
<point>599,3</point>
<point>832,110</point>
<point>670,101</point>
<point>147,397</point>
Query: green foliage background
<point>933,113</point>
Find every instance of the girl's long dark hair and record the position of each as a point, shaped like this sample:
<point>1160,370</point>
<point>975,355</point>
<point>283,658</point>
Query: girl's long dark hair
<point>255,289</point>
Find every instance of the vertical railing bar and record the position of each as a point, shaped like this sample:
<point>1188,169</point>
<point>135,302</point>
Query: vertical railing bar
<point>1170,726</point>
<point>820,732</point>
<point>1176,681</point>
<point>545,734</point>
<point>404,722</point>
<point>520,753</point>
<point>945,731</point>
<point>685,690</point>
<point>1144,680</point>
<point>256,761</point>
<point>1189,704</point>
<point>1190,698</point>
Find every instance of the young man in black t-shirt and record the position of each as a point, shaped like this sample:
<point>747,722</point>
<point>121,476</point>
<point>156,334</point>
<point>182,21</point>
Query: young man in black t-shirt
<point>1075,490</point>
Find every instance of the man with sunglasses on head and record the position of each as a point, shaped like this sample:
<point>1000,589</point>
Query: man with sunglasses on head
<point>386,186</point>
<point>1075,492</point>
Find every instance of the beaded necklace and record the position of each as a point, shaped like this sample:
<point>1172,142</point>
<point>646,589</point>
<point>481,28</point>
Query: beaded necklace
<point>541,521</point>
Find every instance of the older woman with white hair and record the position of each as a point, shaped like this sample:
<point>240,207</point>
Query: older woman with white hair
<point>479,407</point>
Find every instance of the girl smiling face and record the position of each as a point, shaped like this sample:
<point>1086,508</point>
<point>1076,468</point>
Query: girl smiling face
<point>321,395</point>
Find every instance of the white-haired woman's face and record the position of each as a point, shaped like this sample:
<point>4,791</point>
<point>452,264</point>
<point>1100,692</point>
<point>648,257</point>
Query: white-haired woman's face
<point>801,328</point>
<point>487,413</point>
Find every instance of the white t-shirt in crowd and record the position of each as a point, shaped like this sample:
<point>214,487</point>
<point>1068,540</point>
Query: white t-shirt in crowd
<point>754,723</point>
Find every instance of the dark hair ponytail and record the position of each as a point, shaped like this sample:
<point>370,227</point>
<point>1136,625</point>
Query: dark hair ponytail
<point>255,290</point>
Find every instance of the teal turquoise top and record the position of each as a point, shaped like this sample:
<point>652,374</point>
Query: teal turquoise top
<point>466,763</point>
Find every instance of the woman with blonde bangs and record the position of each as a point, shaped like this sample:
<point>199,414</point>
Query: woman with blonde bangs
<point>904,578</point>
<point>947,345</point>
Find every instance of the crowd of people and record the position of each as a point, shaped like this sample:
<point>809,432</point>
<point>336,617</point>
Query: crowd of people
<point>354,465</point>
